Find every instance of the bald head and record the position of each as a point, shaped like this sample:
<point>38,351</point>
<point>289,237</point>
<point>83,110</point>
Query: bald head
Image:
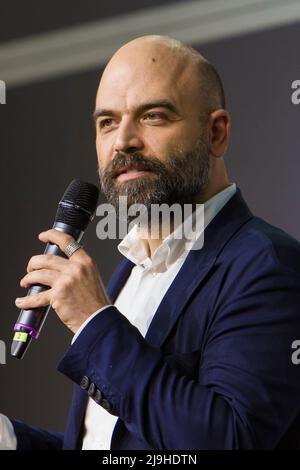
<point>183,65</point>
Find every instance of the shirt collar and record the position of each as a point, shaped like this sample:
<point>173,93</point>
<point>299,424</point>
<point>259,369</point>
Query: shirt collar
<point>174,246</point>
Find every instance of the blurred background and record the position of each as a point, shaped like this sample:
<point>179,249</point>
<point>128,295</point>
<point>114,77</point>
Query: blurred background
<point>51,58</point>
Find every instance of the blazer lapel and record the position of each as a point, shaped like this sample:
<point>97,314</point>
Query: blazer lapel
<point>118,278</point>
<point>196,267</point>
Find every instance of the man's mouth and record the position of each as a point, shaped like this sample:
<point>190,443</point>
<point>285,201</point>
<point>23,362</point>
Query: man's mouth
<point>129,173</point>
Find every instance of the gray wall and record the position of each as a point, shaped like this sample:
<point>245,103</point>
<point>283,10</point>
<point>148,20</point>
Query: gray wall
<point>47,138</point>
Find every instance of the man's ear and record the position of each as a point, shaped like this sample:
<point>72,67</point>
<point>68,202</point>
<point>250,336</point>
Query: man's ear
<point>219,132</point>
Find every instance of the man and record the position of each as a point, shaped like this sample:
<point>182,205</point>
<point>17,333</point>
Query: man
<point>188,349</point>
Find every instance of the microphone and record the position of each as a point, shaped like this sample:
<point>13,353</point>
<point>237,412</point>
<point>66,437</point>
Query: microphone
<point>75,210</point>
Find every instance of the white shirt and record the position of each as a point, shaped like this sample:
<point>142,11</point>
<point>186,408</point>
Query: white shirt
<point>147,284</point>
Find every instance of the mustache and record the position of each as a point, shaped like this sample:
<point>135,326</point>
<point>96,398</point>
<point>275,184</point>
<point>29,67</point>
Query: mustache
<point>126,160</point>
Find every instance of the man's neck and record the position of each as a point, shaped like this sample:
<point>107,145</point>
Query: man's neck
<point>153,243</point>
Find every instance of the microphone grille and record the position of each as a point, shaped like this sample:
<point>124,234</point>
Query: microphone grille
<point>78,204</point>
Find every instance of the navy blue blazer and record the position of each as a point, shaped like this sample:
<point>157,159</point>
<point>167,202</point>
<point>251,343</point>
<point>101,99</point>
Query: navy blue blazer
<point>214,370</point>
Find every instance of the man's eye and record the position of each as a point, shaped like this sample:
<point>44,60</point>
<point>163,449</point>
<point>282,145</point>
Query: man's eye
<point>153,116</point>
<point>105,123</point>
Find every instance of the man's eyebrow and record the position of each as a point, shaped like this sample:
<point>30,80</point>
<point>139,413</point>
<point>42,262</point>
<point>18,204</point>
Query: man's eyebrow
<point>140,109</point>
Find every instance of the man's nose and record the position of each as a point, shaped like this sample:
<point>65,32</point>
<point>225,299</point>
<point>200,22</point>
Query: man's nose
<point>128,138</point>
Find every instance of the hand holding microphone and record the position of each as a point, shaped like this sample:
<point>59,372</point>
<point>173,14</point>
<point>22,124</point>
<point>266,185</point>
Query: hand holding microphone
<point>65,277</point>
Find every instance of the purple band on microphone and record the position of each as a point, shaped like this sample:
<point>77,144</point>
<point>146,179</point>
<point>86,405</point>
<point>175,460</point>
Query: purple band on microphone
<point>28,329</point>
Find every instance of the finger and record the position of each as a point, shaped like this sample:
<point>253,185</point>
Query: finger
<point>46,277</point>
<point>33,301</point>
<point>48,261</point>
<point>60,239</point>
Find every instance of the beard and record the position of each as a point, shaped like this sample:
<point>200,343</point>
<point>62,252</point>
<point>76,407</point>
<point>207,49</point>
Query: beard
<point>181,178</point>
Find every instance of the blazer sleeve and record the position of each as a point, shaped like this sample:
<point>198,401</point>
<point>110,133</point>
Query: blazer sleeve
<point>31,438</point>
<point>248,390</point>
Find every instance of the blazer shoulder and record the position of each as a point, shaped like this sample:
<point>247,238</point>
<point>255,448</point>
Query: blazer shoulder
<point>258,238</point>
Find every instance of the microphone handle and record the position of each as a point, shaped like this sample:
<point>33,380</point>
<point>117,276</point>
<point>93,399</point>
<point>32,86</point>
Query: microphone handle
<point>30,322</point>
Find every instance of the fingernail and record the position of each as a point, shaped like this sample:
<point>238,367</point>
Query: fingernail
<point>18,301</point>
